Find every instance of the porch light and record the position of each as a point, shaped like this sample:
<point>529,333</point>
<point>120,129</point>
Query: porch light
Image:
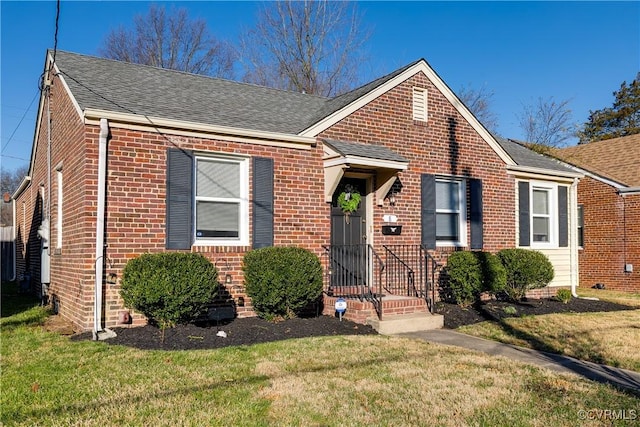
<point>392,199</point>
<point>227,279</point>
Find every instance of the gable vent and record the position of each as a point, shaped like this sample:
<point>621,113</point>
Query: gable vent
<point>420,104</point>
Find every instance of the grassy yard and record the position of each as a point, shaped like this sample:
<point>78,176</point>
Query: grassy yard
<point>48,380</point>
<point>611,338</point>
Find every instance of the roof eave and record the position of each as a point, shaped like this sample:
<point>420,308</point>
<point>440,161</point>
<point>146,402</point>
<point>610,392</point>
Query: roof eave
<point>23,185</point>
<point>172,126</point>
<point>544,173</point>
<point>629,191</point>
<point>366,161</point>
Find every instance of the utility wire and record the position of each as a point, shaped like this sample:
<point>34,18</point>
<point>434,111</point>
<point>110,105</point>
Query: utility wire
<point>20,122</point>
<point>55,35</point>
<point>55,49</point>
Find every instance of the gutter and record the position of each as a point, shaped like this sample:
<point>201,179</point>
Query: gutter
<point>629,191</point>
<point>98,332</point>
<point>23,185</point>
<point>550,173</point>
<point>137,121</point>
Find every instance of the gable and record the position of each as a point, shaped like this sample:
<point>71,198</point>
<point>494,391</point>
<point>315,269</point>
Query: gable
<point>419,68</point>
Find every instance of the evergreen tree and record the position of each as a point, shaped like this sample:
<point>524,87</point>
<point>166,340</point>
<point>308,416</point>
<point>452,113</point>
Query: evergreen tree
<point>622,119</point>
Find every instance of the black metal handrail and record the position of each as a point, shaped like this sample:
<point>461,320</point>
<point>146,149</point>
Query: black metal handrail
<point>354,271</point>
<point>400,278</point>
<point>415,271</point>
<point>430,261</point>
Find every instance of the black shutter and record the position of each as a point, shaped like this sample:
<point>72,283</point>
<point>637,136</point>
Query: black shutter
<point>428,210</point>
<point>475,198</point>
<point>563,218</point>
<point>179,229</point>
<point>262,202</point>
<point>524,217</point>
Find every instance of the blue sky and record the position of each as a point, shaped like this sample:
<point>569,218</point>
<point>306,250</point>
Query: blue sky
<point>577,51</point>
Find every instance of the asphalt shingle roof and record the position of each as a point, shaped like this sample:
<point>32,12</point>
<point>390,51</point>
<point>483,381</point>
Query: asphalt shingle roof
<point>105,84</point>
<point>529,158</point>
<point>370,151</point>
<point>132,88</point>
<point>617,159</point>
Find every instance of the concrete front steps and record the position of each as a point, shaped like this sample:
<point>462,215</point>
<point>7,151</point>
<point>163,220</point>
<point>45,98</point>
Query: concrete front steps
<point>399,314</point>
<point>406,323</point>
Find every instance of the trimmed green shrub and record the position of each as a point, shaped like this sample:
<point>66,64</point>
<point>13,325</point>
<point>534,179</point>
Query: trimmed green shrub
<point>281,281</point>
<point>526,269</point>
<point>494,275</point>
<point>464,275</point>
<point>169,288</point>
<point>563,295</point>
<point>468,274</point>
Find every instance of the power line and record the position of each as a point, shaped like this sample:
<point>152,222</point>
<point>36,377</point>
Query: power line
<point>20,122</point>
<point>55,35</point>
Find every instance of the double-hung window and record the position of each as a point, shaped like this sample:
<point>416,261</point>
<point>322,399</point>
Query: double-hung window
<point>221,195</point>
<point>581,226</point>
<point>451,212</point>
<point>543,215</point>
<point>59,209</point>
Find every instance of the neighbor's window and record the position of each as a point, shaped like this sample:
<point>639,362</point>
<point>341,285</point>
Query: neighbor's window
<point>581,226</point>
<point>221,208</point>
<point>450,211</point>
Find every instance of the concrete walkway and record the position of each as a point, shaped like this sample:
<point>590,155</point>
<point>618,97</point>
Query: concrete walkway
<point>621,378</point>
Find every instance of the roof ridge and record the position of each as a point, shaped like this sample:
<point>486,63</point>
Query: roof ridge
<point>187,73</point>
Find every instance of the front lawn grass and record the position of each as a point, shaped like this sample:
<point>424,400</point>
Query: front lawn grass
<point>48,380</point>
<point>603,337</point>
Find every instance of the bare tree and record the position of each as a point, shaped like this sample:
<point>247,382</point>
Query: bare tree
<point>314,47</point>
<point>171,40</point>
<point>478,101</point>
<point>9,182</point>
<point>547,123</point>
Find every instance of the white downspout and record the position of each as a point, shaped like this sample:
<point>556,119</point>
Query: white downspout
<point>13,241</point>
<point>99,259</point>
<point>573,253</point>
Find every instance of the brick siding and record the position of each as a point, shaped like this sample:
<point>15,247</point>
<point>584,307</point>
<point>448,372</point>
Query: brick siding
<point>611,236</point>
<point>136,190</point>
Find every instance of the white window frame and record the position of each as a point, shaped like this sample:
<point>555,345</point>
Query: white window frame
<point>59,208</point>
<point>552,193</point>
<point>462,213</point>
<point>242,200</point>
<point>419,103</point>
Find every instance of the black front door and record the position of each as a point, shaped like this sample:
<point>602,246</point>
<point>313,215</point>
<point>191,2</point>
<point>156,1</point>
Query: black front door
<point>348,237</point>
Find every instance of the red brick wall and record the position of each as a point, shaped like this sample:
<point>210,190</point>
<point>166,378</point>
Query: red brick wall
<point>611,236</point>
<point>135,207</point>
<point>136,193</point>
<point>72,265</point>
<point>445,144</point>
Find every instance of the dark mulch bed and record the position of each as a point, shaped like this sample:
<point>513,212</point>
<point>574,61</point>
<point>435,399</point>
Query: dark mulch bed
<point>244,331</point>
<point>456,316</point>
<point>250,331</point>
